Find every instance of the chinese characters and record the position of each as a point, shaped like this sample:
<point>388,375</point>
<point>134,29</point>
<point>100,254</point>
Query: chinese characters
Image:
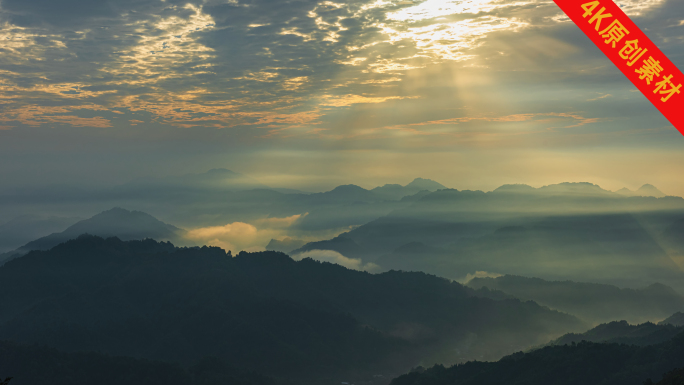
<point>650,69</point>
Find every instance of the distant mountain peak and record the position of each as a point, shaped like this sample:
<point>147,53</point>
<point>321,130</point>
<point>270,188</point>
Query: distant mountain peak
<point>115,222</point>
<point>647,190</point>
<point>348,188</point>
<point>574,188</point>
<point>518,187</point>
<point>425,184</point>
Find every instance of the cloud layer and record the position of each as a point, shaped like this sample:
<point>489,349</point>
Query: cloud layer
<point>239,236</point>
<point>338,259</point>
<point>303,89</point>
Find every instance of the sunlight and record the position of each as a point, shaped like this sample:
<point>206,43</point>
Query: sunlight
<point>438,8</point>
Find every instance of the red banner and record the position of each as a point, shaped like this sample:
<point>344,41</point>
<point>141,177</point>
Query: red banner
<point>632,52</point>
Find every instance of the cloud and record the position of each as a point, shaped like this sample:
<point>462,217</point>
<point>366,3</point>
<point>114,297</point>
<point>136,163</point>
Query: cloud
<point>150,83</point>
<point>279,223</point>
<point>233,236</point>
<point>223,64</point>
<point>337,258</point>
<point>479,274</point>
<point>238,236</point>
<point>600,97</point>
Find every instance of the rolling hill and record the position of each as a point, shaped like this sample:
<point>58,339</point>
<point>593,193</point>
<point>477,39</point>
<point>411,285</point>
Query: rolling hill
<point>259,311</point>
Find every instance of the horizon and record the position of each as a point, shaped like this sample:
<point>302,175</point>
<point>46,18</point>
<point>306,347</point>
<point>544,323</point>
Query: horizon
<point>367,185</point>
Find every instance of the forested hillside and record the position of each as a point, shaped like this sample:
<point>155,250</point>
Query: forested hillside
<point>585,363</point>
<point>260,311</point>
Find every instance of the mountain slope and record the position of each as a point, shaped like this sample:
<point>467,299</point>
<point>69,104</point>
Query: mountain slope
<point>623,333</point>
<point>33,365</point>
<point>261,311</point>
<point>585,363</point>
<point>568,231</point>
<point>397,191</point>
<point>676,319</point>
<point>117,222</point>
<point>21,230</point>
<point>647,190</point>
<point>590,301</point>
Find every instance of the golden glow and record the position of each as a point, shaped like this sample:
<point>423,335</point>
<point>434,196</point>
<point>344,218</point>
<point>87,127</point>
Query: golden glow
<point>431,9</point>
<point>165,43</point>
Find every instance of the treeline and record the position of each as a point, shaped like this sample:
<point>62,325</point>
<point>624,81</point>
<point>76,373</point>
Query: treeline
<point>259,311</point>
<point>584,363</point>
<point>33,365</point>
<point>623,333</point>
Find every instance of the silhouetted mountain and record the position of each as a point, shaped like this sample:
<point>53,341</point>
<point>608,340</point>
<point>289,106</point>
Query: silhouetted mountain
<point>259,311</point>
<point>33,365</point>
<point>397,191</point>
<point>420,184</point>
<point>117,222</point>
<point>584,363</point>
<point>674,377</point>
<point>581,189</point>
<point>677,319</point>
<point>345,193</point>
<point>590,301</point>
<point>516,188</point>
<point>646,190</point>
<point>286,245</point>
<point>23,229</point>
<point>575,231</point>
<point>575,189</point>
<point>621,332</point>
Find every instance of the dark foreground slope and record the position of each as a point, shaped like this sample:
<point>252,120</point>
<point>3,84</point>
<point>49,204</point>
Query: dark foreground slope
<point>259,311</point>
<point>586,363</point>
<point>675,377</point>
<point>32,365</point>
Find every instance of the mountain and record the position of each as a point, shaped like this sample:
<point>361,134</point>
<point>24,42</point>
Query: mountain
<point>117,222</point>
<point>574,188</point>
<point>397,191</point>
<point>344,193</point>
<point>26,228</point>
<point>285,245</point>
<point>593,302</point>
<point>674,377</point>
<point>342,245</point>
<point>676,319</point>
<point>257,311</point>
<point>646,190</point>
<point>584,363</point>
<point>515,189</point>
<point>621,332</point>
<point>34,365</point>
<point>420,184</point>
<point>568,231</point>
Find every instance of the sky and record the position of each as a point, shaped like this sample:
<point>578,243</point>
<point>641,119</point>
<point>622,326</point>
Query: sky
<point>313,94</point>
